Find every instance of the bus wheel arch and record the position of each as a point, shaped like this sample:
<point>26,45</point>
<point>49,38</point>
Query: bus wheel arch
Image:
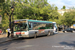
<point>49,33</point>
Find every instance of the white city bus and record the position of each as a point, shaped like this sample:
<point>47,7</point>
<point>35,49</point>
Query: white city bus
<point>32,28</point>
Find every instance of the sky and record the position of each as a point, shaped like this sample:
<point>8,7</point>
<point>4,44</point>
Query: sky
<point>61,3</point>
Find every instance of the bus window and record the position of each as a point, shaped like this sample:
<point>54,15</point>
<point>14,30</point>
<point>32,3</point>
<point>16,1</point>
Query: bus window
<point>49,26</point>
<point>37,26</point>
<point>20,26</point>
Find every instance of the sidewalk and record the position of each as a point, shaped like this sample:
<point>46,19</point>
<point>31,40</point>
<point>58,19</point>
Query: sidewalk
<point>3,38</point>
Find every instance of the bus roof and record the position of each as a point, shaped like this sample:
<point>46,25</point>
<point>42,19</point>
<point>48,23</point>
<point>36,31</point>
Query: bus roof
<point>40,21</point>
<point>30,20</point>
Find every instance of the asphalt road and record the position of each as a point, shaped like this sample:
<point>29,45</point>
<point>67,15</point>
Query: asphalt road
<point>60,41</point>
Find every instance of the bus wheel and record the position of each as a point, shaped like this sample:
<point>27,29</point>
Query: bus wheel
<point>35,35</point>
<point>52,33</point>
<point>49,33</point>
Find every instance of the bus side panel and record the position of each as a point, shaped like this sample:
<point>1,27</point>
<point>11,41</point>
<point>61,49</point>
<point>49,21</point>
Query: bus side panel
<point>32,32</point>
<point>26,34</point>
<point>39,33</point>
<point>48,30</point>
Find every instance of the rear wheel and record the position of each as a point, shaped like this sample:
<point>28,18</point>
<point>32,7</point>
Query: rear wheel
<point>63,31</point>
<point>52,33</point>
<point>49,34</point>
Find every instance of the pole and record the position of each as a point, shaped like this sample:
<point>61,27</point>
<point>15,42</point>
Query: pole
<point>12,8</point>
<point>12,26</point>
<point>10,22</point>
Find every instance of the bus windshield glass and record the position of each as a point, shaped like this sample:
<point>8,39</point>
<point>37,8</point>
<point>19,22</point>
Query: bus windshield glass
<point>20,27</point>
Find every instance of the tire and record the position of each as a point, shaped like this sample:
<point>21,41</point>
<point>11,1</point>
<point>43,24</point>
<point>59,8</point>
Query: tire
<point>63,31</point>
<point>49,34</point>
<point>52,33</point>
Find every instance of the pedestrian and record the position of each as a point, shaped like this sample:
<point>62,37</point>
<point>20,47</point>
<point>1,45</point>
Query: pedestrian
<point>8,32</point>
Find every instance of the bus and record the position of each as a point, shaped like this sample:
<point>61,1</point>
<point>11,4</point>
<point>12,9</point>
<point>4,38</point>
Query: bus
<point>32,28</point>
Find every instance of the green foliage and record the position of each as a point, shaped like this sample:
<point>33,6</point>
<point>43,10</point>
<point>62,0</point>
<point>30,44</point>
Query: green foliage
<point>56,8</point>
<point>29,9</point>
<point>5,7</point>
<point>1,1</point>
<point>34,9</point>
<point>5,22</point>
<point>68,18</point>
<point>64,7</point>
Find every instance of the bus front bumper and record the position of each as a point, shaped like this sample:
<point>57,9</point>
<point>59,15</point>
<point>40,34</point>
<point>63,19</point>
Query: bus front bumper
<point>19,36</point>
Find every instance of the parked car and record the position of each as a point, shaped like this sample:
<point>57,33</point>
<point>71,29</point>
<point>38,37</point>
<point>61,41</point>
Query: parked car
<point>69,30</point>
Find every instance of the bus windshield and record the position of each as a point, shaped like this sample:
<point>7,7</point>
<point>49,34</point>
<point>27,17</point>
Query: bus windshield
<point>20,27</point>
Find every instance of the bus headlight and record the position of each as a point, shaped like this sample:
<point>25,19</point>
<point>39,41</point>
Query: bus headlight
<point>26,33</point>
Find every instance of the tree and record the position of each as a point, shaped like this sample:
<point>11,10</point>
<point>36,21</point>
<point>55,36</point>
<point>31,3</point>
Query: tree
<point>56,8</point>
<point>1,1</point>
<point>68,18</point>
<point>5,7</point>
<point>64,7</point>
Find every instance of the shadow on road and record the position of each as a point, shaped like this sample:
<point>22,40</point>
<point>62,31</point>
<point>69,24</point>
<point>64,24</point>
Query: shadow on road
<point>5,49</point>
<point>68,43</point>
<point>16,41</point>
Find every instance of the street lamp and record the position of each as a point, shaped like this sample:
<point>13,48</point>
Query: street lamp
<point>12,9</point>
<point>11,28</point>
